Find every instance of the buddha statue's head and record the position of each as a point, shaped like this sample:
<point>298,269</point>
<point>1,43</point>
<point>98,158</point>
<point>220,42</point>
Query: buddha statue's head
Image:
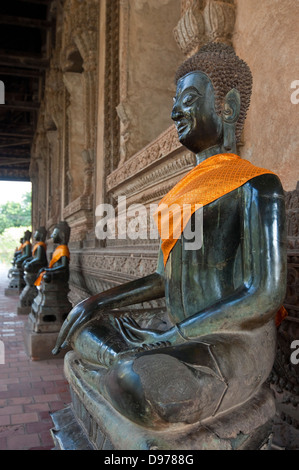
<point>40,234</point>
<point>212,98</point>
<point>61,233</point>
<point>27,235</point>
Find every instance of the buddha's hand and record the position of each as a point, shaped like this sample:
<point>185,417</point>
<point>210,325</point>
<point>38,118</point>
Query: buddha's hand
<point>143,339</point>
<point>77,316</point>
<point>47,277</point>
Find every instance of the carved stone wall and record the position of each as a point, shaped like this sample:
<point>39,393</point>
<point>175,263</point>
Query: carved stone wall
<point>147,70</point>
<point>285,375</point>
<point>65,140</point>
<point>104,132</point>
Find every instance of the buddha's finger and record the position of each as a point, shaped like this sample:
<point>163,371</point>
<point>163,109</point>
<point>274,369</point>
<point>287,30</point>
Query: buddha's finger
<point>61,338</point>
<point>135,329</point>
<point>131,321</point>
<point>123,332</point>
<point>128,332</point>
<point>72,331</point>
<point>64,331</point>
<point>70,327</point>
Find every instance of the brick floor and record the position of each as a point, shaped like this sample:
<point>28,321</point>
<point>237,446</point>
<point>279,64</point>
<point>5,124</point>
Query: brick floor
<point>29,390</point>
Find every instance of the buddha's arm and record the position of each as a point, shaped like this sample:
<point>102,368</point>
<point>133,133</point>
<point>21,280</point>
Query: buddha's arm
<point>58,271</point>
<point>264,266</point>
<point>140,290</point>
<point>34,263</point>
<point>24,256</point>
<point>264,274</point>
<point>61,266</point>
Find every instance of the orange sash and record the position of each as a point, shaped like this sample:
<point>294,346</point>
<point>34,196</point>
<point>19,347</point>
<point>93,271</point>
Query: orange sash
<point>24,244</point>
<point>61,250</point>
<point>208,181</point>
<point>37,245</point>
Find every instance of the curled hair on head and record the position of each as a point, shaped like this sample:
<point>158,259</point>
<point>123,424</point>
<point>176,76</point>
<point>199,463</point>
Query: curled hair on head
<point>27,235</point>
<point>65,231</point>
<point>226,71</point>
<point>42,233</point>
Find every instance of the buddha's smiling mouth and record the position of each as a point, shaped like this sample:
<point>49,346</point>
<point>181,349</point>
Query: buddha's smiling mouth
<point>181,126</point>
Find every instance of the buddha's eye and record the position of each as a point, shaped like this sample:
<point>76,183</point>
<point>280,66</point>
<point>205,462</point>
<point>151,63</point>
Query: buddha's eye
<point>189,99</point>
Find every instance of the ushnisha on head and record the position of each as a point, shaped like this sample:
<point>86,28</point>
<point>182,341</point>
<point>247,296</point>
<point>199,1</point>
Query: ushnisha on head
<point>40,234</point>
<point>27,235</point>
<point>61,233</point>
<point>224,84</point>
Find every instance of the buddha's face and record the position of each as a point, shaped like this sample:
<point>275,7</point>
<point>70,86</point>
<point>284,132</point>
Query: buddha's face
<point>198,125</point>
<point>56,235</point>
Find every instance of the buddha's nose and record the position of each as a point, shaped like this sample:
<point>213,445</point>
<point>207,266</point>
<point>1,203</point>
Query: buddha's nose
<point>176,112</point>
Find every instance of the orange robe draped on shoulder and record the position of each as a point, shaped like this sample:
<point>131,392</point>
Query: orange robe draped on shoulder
<point>61,250</point>
<point>213,178</point>
<point>24,244</point>
<point>37,244</point>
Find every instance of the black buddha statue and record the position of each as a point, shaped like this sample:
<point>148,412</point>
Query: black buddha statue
<point>26,251</point>
<point>31,267</point>
<point>38,259</point>
<point>51,305</point>
<point>58,268</point>
<point>16,273</point>
<point>211,355</point>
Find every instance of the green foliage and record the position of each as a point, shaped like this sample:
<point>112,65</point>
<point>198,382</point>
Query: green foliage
<point>9,241</point>
<point>15,214</point>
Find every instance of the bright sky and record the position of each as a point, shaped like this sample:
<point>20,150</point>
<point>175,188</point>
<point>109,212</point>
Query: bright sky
<point>13,190</point>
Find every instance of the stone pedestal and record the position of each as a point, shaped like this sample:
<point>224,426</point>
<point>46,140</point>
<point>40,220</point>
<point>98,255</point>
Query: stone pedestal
<point>28,294</point>
<point>48,311</point>
<point>92,422</point>
<point>16,283</point>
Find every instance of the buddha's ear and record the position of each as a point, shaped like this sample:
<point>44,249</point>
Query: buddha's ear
<point>231,107</point>
<point>230,115</point>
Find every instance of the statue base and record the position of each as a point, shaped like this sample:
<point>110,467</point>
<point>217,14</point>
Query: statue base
<point>38,346</point>
<point>101,427</point>
<point>11,292</point>
<point>16,283</point>
<point>28,294</point>
<point>48,311</point>
<point>23,310</point>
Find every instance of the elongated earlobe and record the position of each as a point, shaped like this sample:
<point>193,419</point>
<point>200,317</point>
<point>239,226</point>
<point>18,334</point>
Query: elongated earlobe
<point>230,116</point>
<point>229,138</point>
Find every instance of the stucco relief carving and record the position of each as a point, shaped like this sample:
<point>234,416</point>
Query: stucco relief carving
<point>203,21</point>
<point>79,55</point>
<point>166,143</point>
<point>73,77</point>
<point>94,272</point>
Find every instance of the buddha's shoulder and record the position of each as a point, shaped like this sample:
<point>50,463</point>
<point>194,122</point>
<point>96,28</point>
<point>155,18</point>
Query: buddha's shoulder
<point>267,184</point>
